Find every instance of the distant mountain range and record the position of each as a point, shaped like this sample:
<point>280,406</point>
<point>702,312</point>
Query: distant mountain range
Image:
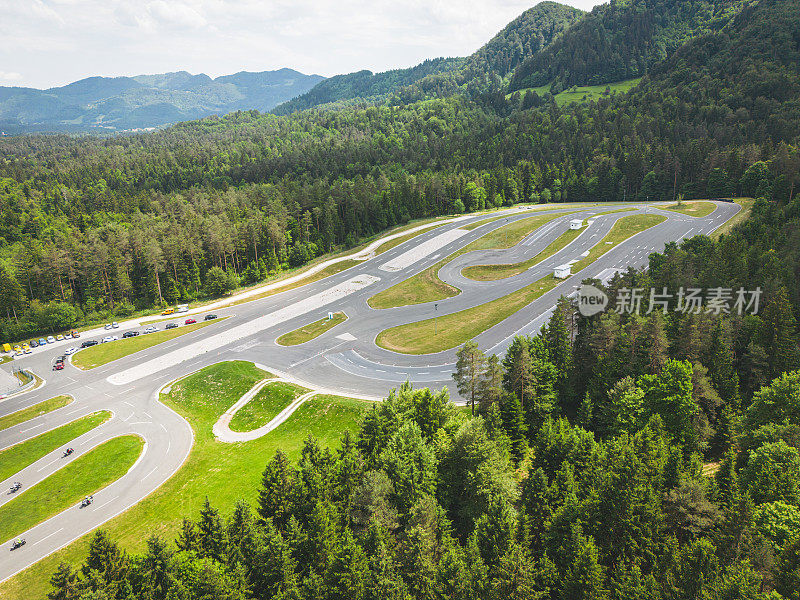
<point>124,103</point>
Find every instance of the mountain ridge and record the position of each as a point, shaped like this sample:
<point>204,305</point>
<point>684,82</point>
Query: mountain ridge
<point>147,100</point>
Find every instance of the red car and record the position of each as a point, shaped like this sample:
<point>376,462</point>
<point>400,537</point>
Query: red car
<point>189,321</point>
<point>58,366</point>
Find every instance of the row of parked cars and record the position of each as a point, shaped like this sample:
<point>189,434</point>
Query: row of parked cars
<point>59,364</point>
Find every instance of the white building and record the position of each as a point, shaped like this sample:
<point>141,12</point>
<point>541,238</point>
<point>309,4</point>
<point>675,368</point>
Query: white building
<point>562,271</point>
<point>576,223</point>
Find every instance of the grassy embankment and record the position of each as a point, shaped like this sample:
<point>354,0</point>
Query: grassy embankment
<point>21,455</point>
<point>501,271</point>
<point>266,405</point>
<point>101,354</point>
<point>37,410</point>
<point>692,208</point>
<point>426,285</point>
<point>740,217</point>
<point>66,487</point>
<point>210,468</point>
<point>306,333</point>
<point>456,328</point>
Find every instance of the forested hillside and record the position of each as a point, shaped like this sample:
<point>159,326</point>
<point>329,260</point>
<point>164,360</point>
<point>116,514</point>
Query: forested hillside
<point>365,85</point>
<point>108,104</point>
<point>622,40</point>
<point>251,194</point>
<point>485,69</point>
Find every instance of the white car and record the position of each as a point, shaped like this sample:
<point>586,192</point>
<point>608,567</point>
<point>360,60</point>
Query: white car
<point>69,351</point>
<point>114,338</point>
<point>107,339</point>
<point>50,339</point>
<point>107,326</point>
<point>115,325</point>
<point>68,336</point>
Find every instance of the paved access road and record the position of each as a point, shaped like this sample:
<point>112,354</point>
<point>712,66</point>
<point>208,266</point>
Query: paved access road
<point>344,359</point>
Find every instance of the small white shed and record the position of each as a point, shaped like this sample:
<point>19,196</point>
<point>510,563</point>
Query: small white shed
<point>562,271</point>
<point>576,223</point>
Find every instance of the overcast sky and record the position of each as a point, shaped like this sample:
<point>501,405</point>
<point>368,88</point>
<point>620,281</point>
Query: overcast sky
<point>45,43</point>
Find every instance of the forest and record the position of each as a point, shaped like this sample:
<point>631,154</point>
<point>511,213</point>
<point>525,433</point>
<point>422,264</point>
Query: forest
<point>616,456</point>
<point>235,199</point>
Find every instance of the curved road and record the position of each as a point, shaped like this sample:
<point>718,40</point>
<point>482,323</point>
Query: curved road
<point>344,360</point>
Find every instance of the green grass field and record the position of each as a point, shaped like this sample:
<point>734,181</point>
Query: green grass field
<point>306,333</point>
<point>426,285</point>
<point>26,414</point>
<point>84,476</point>
<point>21,455</point>
<point>692,208</point>
<point>623,229</point>
<point>456,328</point>
<point>210,468</point>
<point>266,405</point>
<point>585,93</point>
<point>101,354</point>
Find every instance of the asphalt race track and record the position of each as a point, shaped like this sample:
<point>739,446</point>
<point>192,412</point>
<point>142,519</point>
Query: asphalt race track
<point>344,359</point>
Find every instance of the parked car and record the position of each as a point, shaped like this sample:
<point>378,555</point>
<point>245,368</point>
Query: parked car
<point>89,343</point>
<point>130,334</point>
<point>107,326</point>
<point>50,339</point>
<point>67,336</point>
<point>106,339</point>
<point>59,337</point>
<point>169,311</point>
<point>59,366</point>
<point>33,344</point>
<point>75,333</point>
<point>27,349</point>
<point>210,317</point>
<point>171,326</point>
<point>151,329</point>
<point>189,321</point>
<point>115,325</point>
<point>182,308</point>
<point>61,359</point>
<point>70,351</point>
<point>42,341</point>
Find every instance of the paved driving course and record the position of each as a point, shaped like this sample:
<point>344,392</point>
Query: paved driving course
<point>344,360</point>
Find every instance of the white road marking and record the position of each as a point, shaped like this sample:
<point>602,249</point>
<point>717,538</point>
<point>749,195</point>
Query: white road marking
<point>107,502</point>
<point>423,250</point>
<point>215,342</point>
<point>47,536</point>
<point>150,473</point>
<point>31,428</point>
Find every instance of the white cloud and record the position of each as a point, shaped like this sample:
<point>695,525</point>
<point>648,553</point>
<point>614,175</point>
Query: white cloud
<point>10,76</point>
<point>65,40</point>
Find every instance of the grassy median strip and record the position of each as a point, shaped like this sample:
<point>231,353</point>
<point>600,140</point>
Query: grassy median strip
<point>266,405</point>
<point>426,285</point>
<point>101,354</point>
<point>623,229</point>
<point>37,410</point>
<point>223,472</point>
<point>65,488</point>
<point>311,331</point>
<point>456,328</point>
<point>25,453</point>
<point>692,209</point>
<point>495,272</point>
